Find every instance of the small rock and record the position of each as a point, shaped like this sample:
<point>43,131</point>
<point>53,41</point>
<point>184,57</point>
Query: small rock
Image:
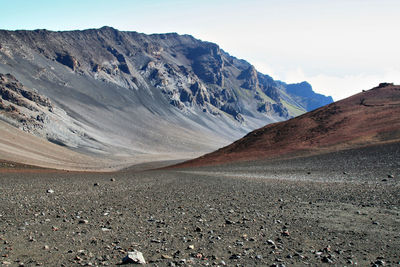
<point>83,222</point>
<point>380,262</point>
<point>285,233</point>
<point>270,242</point>
<point>390,176</point>
<point>50,191</point>
<point>326,260</point>
<point>112,180</point>
<point>46,247</point>
<point>190,247</point>
<point>96,184</point>
<point>239,243</point>
<point>164,256</point>
<point>235,257</point>
<point>135,257</point>
<point>384,180</point>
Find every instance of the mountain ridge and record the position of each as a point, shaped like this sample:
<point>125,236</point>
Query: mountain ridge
<point>113,85</point>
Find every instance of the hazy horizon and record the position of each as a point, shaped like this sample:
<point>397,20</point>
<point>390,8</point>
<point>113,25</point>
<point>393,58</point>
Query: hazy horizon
<point>339,47</point>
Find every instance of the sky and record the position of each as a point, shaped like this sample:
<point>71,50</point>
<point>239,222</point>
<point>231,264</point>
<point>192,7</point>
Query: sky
<point>340,47</point>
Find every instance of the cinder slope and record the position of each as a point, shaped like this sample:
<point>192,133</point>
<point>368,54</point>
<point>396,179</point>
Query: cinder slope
<point>21,147</point>
<point>370,117</point>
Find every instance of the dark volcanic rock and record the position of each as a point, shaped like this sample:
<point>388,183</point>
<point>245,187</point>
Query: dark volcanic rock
<point>67,60</point>
<point>250,77</point>
<point>23,104</point>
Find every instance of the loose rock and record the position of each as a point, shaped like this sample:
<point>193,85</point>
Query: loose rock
<point>134,257</point>
<point>270,242</point>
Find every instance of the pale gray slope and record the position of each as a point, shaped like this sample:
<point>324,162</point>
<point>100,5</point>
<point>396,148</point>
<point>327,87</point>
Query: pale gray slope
<point>126,121</point>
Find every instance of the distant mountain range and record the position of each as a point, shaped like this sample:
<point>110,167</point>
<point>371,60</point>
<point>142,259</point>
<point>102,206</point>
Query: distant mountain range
<point>368,118</point>
<point>109,92</point>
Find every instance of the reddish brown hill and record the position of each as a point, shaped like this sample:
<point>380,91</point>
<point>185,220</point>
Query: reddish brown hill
<point>370,117</point>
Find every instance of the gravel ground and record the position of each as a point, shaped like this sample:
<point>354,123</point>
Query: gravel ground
<point>272,213</point>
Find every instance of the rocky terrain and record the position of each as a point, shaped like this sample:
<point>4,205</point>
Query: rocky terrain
<point>34,113</point>
<point>337,209</point>
<point>368,118</point>
<point>107,89</point>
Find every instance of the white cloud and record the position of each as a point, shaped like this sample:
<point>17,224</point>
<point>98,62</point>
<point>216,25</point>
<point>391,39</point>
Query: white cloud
<point>340,87</point>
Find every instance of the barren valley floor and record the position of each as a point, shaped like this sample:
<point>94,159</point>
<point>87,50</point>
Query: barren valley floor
<point>339,208</point>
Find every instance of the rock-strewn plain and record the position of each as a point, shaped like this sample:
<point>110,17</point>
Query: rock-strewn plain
<point>340,208</point>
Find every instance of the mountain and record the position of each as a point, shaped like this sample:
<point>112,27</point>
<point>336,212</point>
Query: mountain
<point>303,94</point>
<point>124,94</point>
<point>368,118</point>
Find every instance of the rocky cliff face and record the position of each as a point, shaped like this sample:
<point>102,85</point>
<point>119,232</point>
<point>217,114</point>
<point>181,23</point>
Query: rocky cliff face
<point>22,105</point>
<point>118,82</point>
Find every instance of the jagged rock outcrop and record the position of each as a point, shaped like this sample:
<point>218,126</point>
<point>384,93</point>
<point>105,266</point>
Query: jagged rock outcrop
<point>36,114</point>
<point>279,109</point>
<point>19,104</point>
<point>250,78</point>
<point>67,60</point>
